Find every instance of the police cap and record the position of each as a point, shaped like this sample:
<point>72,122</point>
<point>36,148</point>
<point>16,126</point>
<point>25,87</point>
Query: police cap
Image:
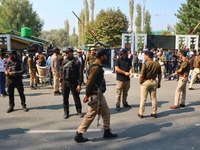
<point>67,50</point>
<point>149,53</point>
<point>100,52</point>
<point>184,53</point>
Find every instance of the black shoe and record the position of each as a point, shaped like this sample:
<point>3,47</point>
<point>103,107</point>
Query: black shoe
<point>140,116</point>
<point>66,116</point>
<point>33,88</point>
<point>56,93</point>
<point>10,109</point>
<point>79,138</point>
<point>127,105</point>
<point>191,88</point>
<point>80,115</point>
<point>182,105</point>
<point>108,134</point>
<point>24,109</point>
<point>118,108</point>
<point>154,115</point>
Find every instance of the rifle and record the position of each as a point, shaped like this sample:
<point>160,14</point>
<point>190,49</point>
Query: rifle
<point>90,31</point>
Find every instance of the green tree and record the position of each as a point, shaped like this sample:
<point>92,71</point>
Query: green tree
<point>147,23</point>
<point>109,26</point>
<point>57,37</point>
<point>81,28</point>
<point>92,5</point>
<point>188,16</point>
<point>87,12</point>
<point>16,14</point>
<point>138,20</point>
<point>73,39</point>
<point>67,27</point>
<point>131,12</point>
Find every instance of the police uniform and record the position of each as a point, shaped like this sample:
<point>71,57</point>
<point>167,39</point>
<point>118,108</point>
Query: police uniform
<point>150,71</point>
<point>71,77</point>
<point>90,58</point>
<point>15,66</point>
<point>180,92</point>
<point>196,71</point>
<point>97,103</point>
<point>32,71</point>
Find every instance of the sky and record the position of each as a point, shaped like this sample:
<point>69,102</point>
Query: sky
<point>55,12</point>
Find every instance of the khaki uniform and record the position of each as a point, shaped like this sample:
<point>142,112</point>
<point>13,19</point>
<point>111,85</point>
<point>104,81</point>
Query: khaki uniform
<point>55,68</point>
<point>150,70</point>
<point>89,59</point>
<point>180,92</point>
<point>32,71</point>
<point>196,70</point>
<point>96,96</point>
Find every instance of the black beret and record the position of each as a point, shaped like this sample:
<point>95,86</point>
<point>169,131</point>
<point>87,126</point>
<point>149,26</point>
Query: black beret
<point>149,53</point>
<point>67,50</point>
<point>184,53</point>
<point>100,52</point>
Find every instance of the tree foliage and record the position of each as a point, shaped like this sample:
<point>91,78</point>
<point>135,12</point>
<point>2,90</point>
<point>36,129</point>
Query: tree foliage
<point>87,12</point>
<point>109,26</point>
<point>57,37</point>
<point>147,23</point>
<point>138,20</point>
<point>92,5</point>
<point>67,27</point>
<point>16,14</point>
<point>131,12</point>
<point>189,17</point>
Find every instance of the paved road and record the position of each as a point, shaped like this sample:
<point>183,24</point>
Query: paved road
<point>43,128</point>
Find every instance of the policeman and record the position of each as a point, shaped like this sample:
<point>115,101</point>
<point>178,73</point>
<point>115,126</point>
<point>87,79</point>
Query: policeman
<point>71,79</point>
<point>150,71</point>
<point>196,71</point>
<point>183,72</point>
<point>90,58</point>
<point>14,71</point>
<point>97,103</point>
<point>32,71</point>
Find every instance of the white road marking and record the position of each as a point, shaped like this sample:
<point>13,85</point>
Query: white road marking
<point>59,131</point>
<point>197,125</point>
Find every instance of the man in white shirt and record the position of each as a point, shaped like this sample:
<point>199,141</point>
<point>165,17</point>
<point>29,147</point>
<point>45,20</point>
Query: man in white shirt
<point>141,59</point>
<point>2,76</point>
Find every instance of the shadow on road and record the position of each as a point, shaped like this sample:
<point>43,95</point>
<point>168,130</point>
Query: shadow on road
<point>136,131</point>
<point>53,107</point>
<point>175,111</point>
<point>5,134</point>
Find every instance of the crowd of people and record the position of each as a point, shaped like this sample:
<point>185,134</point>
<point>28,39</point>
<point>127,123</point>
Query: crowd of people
<point>169,61</point>
<point>65,73</point>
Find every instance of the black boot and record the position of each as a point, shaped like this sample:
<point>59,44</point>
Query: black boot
<point>79,138</point>
<point>108,134</point>
<point>24,109</point>
<point>10,109</point>
<point>66,113</point>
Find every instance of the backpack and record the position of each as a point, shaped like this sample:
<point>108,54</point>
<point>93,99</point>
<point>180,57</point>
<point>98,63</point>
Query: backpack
<point>102,87</point>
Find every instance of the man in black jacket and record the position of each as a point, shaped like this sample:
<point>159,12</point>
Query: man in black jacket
<point>71,79</point>
<point>14,71</point>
